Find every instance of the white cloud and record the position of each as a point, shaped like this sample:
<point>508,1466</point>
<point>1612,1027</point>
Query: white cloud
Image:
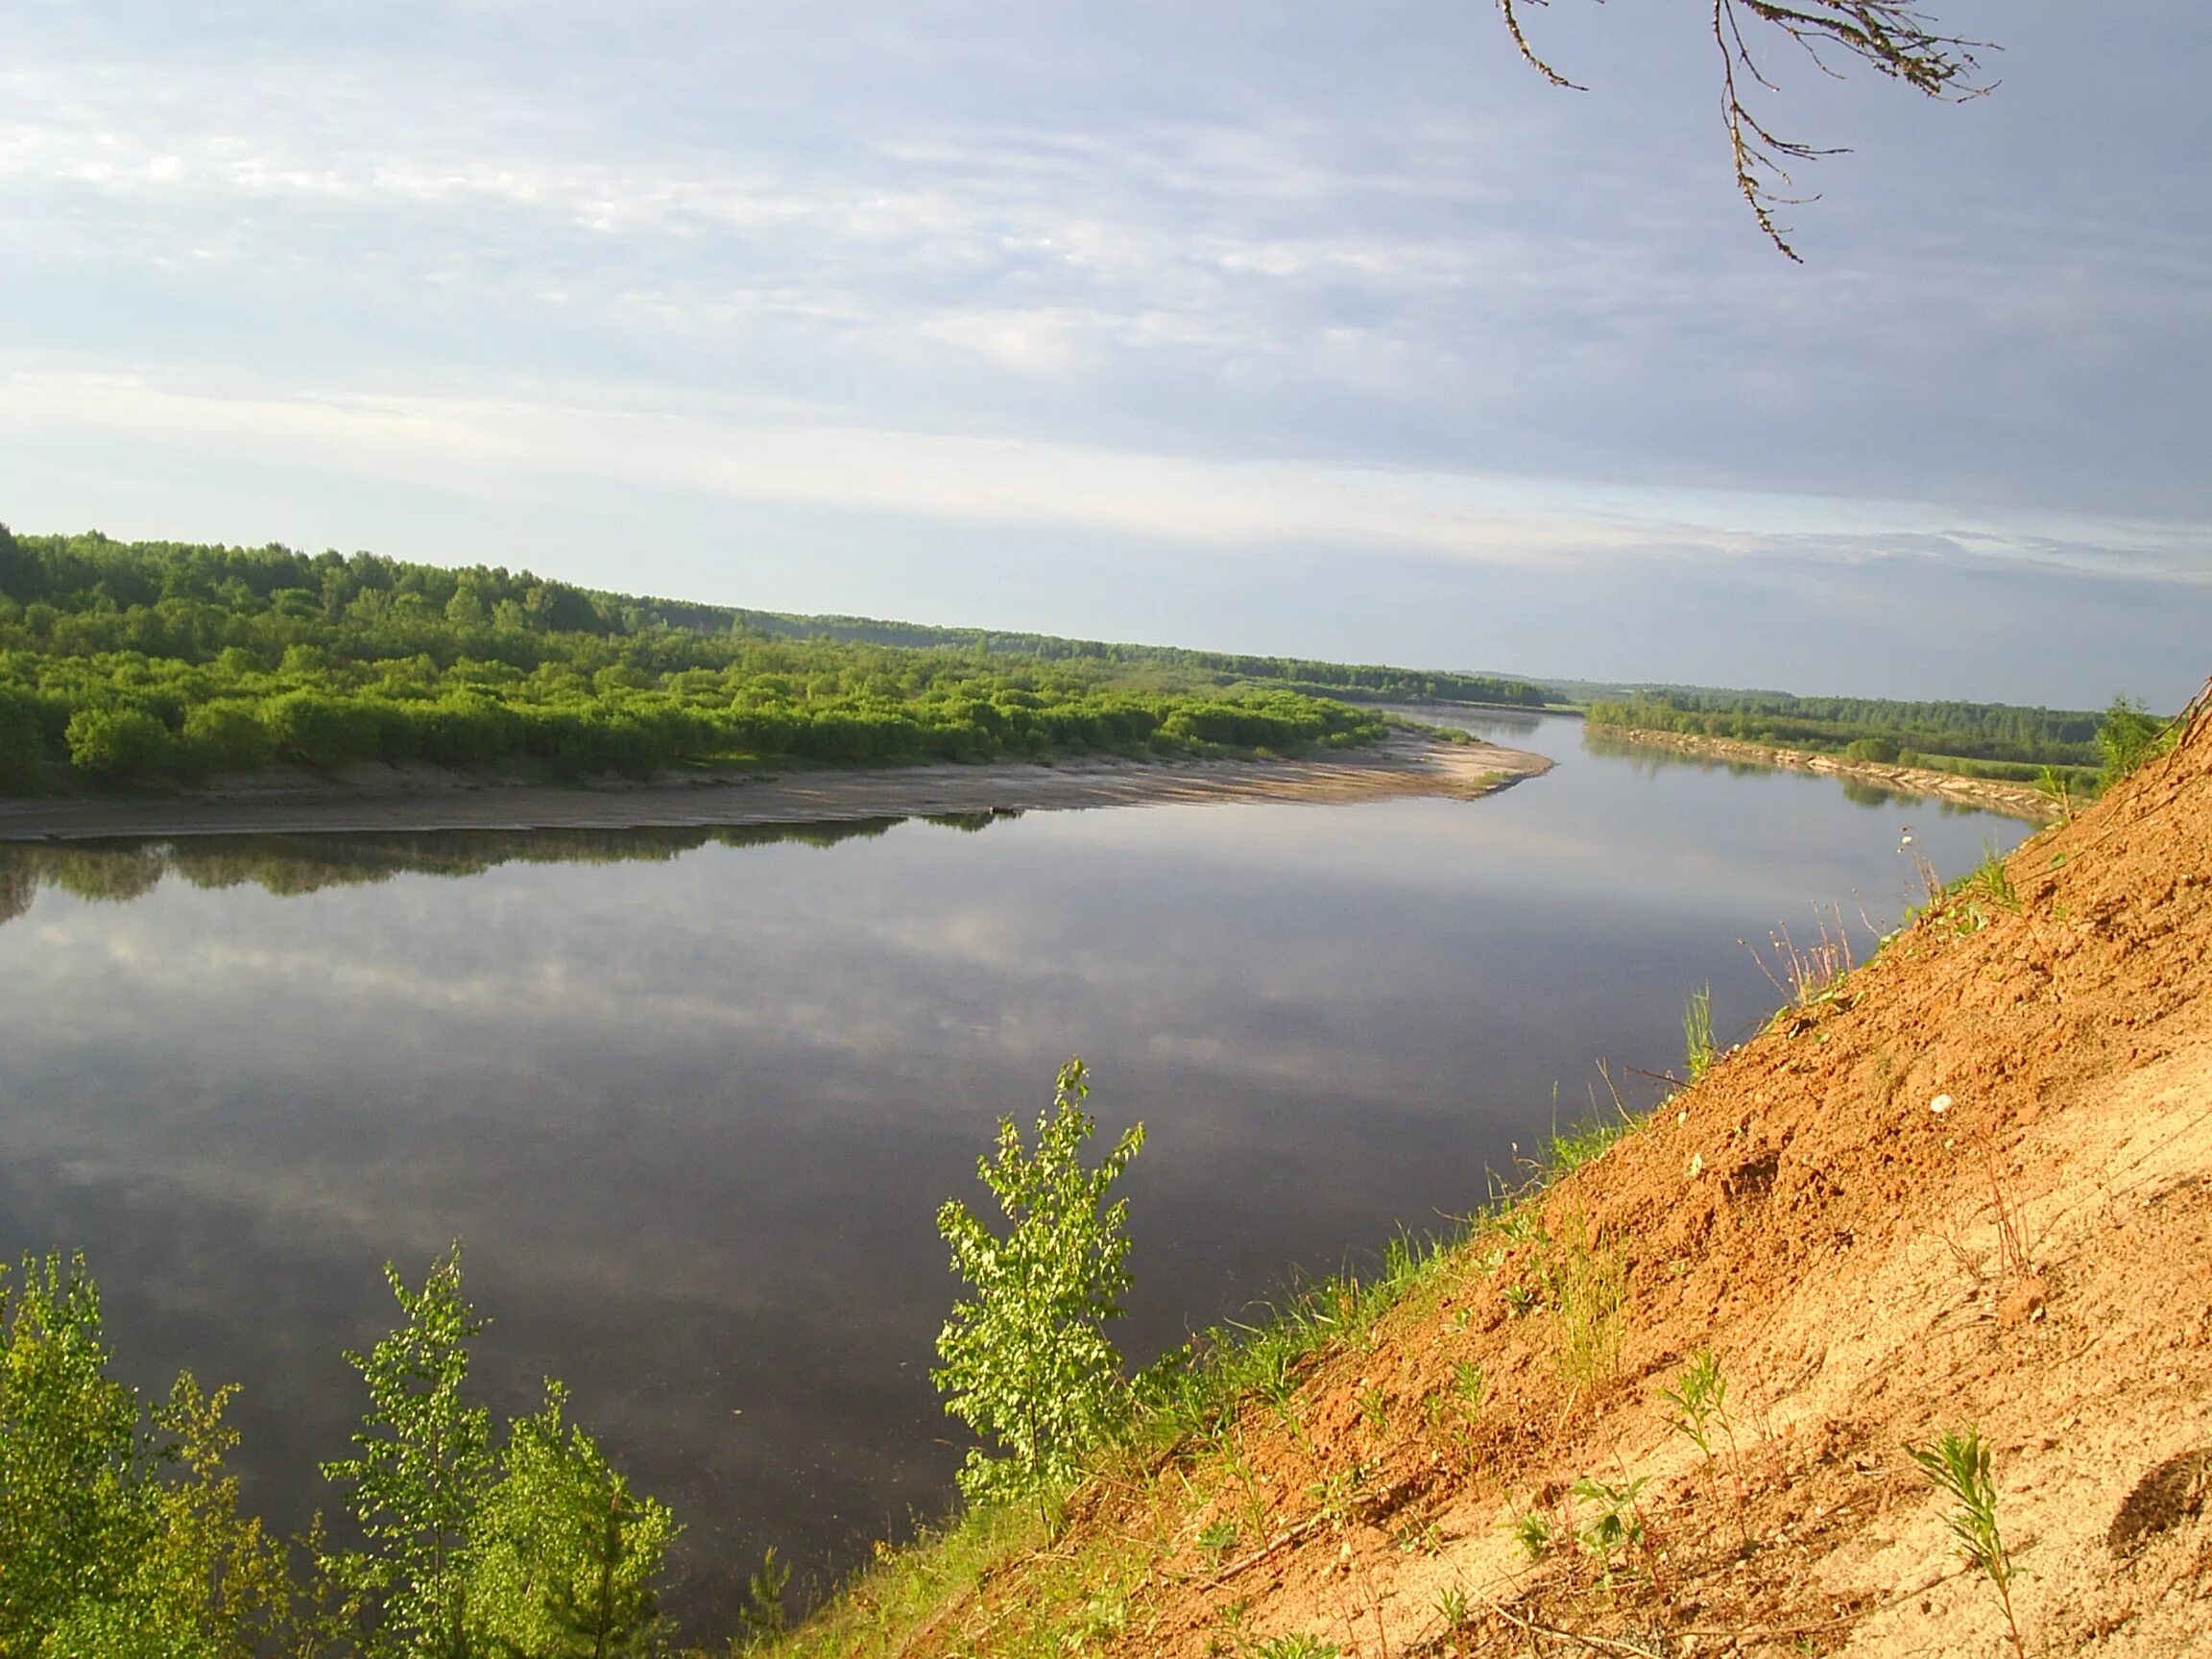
<point>758,453</point>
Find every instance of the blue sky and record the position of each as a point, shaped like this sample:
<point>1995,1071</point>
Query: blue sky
<point>1292,326</point>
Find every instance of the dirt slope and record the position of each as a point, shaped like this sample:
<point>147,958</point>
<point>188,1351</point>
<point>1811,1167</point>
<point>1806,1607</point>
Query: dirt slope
<point>1971,1187</point>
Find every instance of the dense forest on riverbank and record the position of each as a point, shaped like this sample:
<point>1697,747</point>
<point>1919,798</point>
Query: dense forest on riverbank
<point>1993,739</point>
<point>162,661</point>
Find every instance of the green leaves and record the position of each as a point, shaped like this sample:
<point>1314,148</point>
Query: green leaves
<point>542,1550</point>
<point>566,1553</point>
<point>1959,1465</point>
<point>2127,735</point>
<point>423,1469</point>
<point>1027,1358</point>
<point>120,1536</point>
<point>73,1463</point>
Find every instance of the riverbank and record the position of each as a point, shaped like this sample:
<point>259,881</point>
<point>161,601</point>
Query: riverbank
<point>366,799</point>
<point>1994,795</point>
<point>1698,1388</point>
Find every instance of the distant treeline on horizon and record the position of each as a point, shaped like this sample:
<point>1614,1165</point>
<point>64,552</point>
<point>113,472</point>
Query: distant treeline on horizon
<point>129,661</point>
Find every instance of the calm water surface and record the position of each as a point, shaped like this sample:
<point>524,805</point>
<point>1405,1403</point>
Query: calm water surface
<point>693,1105</point>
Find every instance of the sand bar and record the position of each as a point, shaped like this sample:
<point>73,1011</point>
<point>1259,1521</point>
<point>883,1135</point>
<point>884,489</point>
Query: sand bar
<point>368,798</point>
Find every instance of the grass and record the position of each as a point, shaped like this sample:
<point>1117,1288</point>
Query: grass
<point>1588,1284</point>
<point>1697,1032</point>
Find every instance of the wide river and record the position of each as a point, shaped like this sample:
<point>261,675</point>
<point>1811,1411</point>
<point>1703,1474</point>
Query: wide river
<point>691,1102</point>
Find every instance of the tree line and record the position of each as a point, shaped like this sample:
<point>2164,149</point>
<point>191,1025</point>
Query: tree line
<point>154,661</point>
<point>1875,728</point>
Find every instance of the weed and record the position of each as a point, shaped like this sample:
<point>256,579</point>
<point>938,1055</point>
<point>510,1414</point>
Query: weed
<point>1520,1300</point>
<point>1102,1617</point>
<point>1299,1646</point>
<point>762,1613</point>
<point>1252,1497</point>
<point>1336,1493</point>
<point>2058,789</point>
<point>1470,1386</point>
<point>1813,973</point>
<point>1701,1400</point>
<point>1452,1606</point>
<point>1532,1531</point>
<point>1215,1540</point>
<point>2127,737</point>
<point>1960,1466</point>
<point>1617,1526</point>
<point>1989,882</point>
<point>1232,1620</point>
<point>2012,1260</point>
<point>1026,1360</point>
<point>1375,1409</point>
<point>1697,1032</point>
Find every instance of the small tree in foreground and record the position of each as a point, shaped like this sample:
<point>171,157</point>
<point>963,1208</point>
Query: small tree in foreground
<point>539,1549</point>
<point>2127,735</point>
<point>1027,1358</point>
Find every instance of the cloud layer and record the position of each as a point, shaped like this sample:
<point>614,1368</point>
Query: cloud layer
<point>562,283</point>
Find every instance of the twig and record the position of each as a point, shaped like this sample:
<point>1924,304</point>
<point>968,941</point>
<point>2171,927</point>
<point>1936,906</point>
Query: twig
<point>1305,1529</point>
<point>1595,1643</point>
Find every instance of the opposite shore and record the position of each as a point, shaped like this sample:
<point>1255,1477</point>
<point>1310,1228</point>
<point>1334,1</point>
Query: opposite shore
<point>368,798</point>
<point>1992,794</point>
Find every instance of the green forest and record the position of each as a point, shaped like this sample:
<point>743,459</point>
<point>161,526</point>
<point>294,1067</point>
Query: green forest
<point>156,662</point>
<point>1993,739</point>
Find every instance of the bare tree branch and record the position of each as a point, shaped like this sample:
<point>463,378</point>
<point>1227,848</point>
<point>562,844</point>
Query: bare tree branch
<point>1895,38</point>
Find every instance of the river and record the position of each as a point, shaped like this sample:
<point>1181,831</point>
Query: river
<point>691,1102</point>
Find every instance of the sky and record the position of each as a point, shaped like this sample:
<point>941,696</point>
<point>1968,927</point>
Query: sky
<point>1297,326</point>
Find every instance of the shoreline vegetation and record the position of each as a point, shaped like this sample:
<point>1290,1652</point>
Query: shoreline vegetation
<point>150,667</point>
<point>2023,801</point>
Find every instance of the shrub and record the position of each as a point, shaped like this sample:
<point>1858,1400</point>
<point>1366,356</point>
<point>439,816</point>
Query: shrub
<point>318,730</point>
<point>1879,750</point>
<point>121,743</point>
<point>22,743</point>
<point>227,737</point>
<point>1027,1360</point>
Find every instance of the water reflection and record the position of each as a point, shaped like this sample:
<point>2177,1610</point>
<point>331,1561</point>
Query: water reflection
<point>116,872</point>
<point>691,1097</point>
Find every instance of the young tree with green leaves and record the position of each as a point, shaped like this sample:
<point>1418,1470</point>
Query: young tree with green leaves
<point>566,1552</point>
<point>119,1530</point>
<point>1027,1358</point>
<point>537,1551</point>
<point>2127,737</point>
<point>423,1470</point>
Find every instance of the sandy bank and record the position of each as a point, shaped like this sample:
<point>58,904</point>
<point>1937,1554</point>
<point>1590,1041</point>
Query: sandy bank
<point>1994,795</point>
<point>373,798</point>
